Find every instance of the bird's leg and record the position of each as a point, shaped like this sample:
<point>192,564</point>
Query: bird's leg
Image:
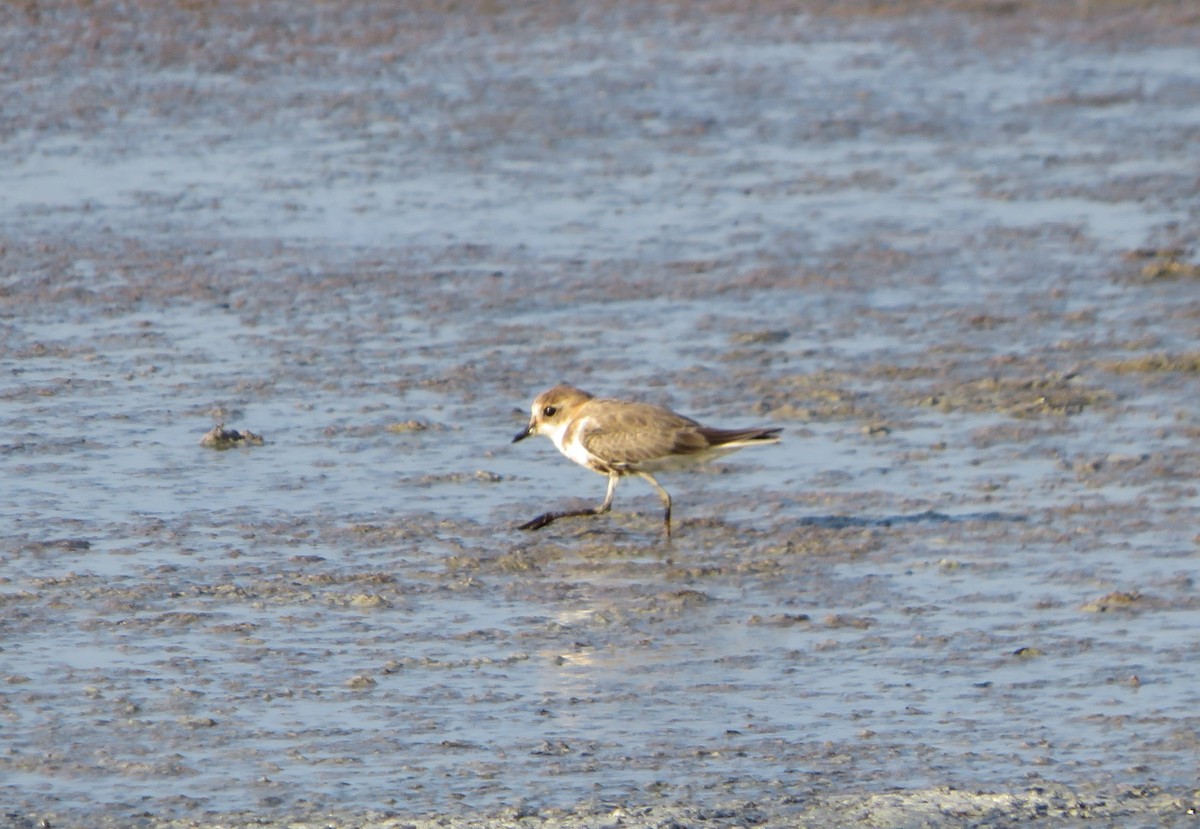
<point>548,518</point>
<point>666,501</point>
<point>613,477</point>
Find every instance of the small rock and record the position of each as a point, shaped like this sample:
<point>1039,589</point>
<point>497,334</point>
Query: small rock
<point>198,722</point>
<point>360,682</point>
<point>766,337</point>
<point>410,426</point>
<point>221,438</point>
<point>778,619</point>
<point>1117,600</point>
<point>843,620</point>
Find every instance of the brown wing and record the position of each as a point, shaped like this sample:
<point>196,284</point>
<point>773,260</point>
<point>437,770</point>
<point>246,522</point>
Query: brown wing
<point>641,433</point>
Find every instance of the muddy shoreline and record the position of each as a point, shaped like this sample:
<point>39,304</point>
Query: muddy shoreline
<point>1046,804</point>
<point>949,247</point>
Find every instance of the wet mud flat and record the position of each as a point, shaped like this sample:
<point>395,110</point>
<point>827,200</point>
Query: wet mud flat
<point>951,249</point>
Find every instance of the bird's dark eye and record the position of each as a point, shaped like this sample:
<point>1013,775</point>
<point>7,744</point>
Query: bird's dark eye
<point>549,411</point>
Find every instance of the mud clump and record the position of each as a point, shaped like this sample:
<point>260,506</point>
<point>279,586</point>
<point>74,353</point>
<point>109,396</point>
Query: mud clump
<point>1186,363</point>
<point>220,438</point>
<point>1124,601</point>
<point>1164,264</point>
<point>1020,397</point>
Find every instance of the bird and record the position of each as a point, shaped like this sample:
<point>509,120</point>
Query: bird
<point>618,438</point>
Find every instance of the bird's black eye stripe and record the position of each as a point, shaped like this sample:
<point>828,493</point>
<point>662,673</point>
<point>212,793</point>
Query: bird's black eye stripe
<point>549,411</point>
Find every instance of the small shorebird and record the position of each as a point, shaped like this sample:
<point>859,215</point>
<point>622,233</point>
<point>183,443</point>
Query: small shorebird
<point>621,437</point>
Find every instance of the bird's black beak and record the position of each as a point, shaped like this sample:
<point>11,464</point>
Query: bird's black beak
<point>524,433</point>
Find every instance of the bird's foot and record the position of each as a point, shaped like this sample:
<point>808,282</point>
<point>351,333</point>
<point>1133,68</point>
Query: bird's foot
<point>547,518</point>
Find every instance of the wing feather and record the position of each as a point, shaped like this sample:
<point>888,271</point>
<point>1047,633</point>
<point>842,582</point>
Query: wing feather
<point>642,433</point>
<point>741,437</point>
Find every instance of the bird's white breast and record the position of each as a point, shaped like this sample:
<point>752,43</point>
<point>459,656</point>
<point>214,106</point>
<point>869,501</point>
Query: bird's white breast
<point>572,445</point>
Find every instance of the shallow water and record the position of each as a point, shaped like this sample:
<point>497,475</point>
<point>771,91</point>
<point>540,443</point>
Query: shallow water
<point>972,560</point>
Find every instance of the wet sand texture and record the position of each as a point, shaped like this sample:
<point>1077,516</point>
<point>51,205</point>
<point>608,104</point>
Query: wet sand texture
<point>949,247</point>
